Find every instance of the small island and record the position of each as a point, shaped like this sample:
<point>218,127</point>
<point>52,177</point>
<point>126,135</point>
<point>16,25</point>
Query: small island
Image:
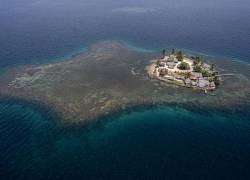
<point>179,69</point>
<point>110,77</point>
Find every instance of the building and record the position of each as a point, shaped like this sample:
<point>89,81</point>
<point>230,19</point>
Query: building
<point>179,77</point>
<point>195,76</point>
<point>193,83</point>
<point>202,83</point>
<point>171,65</point>
<point>166,58</point>
<point>161,64</point>
<point>207,67</point>
<point>188,82</point>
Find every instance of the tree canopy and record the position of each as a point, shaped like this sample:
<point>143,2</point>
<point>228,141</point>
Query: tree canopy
<point>173,51</point>
<point>197,60</point>
<point>164,52</point>
<point>179,56</point>
<point>212,67</point>
<point>197,68</point>
<point>184,66</point>
<point>163,72</point>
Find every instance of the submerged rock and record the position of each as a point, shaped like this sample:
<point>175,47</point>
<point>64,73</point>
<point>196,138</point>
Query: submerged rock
<point>108,78</point>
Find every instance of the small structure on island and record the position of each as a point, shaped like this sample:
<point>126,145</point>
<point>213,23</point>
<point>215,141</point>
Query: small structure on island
<point>188,82</point>
<point>202,83</point>
<point>194,84</point>
<point>161,64</point>
<point>195,76</point>
<point>207,67</point>
<point>171,65</point>
<point>165,59</point>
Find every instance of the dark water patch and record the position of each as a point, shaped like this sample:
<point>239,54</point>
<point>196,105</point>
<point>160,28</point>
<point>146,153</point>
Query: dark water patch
<point>7,101</point>
<point>173,141</point>
<point>194,107</point>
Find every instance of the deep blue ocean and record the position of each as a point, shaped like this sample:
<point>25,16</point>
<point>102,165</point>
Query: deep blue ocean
<point>168,142</point>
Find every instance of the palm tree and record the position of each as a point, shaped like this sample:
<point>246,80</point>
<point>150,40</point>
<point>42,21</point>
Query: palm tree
<point>173,51</point>
<point>163,52</point>
<point>179,56</point>
<point>158,63</point>
<point>212,67</point>
<point>188,75</point>
<point>197,60</point>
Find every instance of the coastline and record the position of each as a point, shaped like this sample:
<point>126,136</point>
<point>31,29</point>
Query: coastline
<point>190,72</point>
<point>50,112</point>
<point>105,93</point>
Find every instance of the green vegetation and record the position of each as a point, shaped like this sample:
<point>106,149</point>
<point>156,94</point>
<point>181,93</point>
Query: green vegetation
<point>197,68</point>
<point>212,67</point>
<point>205,73</point>
<point>211,78</point>
<point>188,75</point>
<point>179,56</point>
<point>185,74</point>
<point>163,52</point>
<point>184,66</point>
<point>198,65</point>
<point>173,51</point>
<point>158,63</point>
<point>197,60</point>
<point>163,72</point>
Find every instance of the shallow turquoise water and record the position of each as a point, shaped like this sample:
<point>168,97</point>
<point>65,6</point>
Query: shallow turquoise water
<point>158,143</point>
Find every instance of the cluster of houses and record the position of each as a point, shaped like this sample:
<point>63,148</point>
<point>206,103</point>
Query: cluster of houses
<point>169,61</point>
<point>174,74</point>
<point>196,80</point>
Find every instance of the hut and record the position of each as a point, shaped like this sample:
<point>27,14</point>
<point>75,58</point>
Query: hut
<point>207,66</point>
<point>188,82</point>
<point>161,64</point>
<point>202,83</point>
<point>171,65</point>
<point>193,83</point>
<point>195,76</point>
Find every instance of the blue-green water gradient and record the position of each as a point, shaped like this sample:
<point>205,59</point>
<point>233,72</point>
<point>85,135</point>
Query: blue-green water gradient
<point>157,143</point>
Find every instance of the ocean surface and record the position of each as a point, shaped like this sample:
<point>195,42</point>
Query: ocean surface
<point>39,31</point>
<point>158,143</point>
<point>153,143</point>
